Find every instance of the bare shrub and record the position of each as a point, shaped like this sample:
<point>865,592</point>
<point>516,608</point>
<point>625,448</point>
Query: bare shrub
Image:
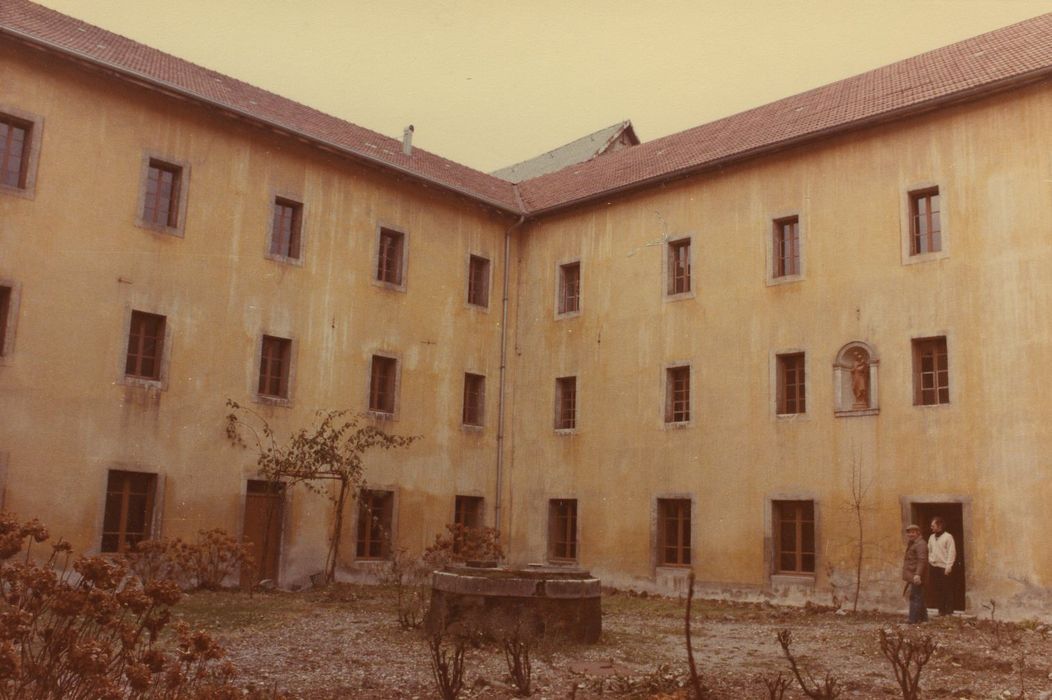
<point>89,628</point>
<point>664,680</point>
<point>447,663</point>
<point>775,685</point>
<point>828,689</point>
<point>908,654</point>
<point>410,577</point>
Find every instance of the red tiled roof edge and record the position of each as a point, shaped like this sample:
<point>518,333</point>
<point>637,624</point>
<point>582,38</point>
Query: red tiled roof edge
<point>52,30</point>
<point>999,60</point>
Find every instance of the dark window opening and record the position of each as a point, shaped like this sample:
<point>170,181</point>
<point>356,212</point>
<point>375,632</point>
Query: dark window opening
<point>562,529</point>
<point>474,399</point>
<point>287,228</point>
<point>679,266</point>
<point>787,247</point>
<point>925,227</point>
<point>375,514</point>
<point>566,403</point>
<point>390,257</point>
<point>478,281</point>
<point>129,510</point>
<point>569,288</point>
<point>674,531</point>
<point>795,536</point>
<point>161,204</point>
<point>14,151</point>
<point>274,365</point>
<point>791,387</point>
<point>382,384</point>
<point>677,399</point>
<point>145,345</point>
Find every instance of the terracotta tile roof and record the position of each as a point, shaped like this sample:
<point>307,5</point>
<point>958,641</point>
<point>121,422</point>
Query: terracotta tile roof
<point>975,66</point>
<point>72,36</point>
<point>980,64</point>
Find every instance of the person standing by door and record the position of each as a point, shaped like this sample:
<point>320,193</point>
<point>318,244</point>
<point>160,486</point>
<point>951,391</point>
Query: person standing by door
<point>942,553</point>
<point>914,573</point>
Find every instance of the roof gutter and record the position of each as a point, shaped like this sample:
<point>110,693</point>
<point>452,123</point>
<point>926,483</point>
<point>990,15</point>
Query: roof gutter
<point>967,95</point>
<point>154,83</point>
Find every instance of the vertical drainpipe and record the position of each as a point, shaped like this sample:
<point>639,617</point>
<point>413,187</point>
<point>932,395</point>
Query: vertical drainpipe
<point>503,366</point>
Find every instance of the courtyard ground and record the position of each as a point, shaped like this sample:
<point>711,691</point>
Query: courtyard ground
<point>345,642</point>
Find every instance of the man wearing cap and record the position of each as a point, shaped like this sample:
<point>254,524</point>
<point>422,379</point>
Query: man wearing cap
<point>914,573</point>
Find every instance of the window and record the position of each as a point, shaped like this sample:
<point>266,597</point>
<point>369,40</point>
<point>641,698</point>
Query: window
<point>375,514</point>
<point>474,399</point>
<point>274,364</point>
<point>382,384</point>
<point>679,266</point>
<point>570,288</point>
<point>129,510</point>
<point>786,247</point>
<point>925,228</point>
<point>145,345</point>
<point>794,523</point>
<point>791,391</point>
<point>931,373</point>
<point>677,395</point>
<point>673,531</point>
<point>286,229</point>
<point>478,281</point>
<point>562,529</point>
<point>467,511</point>
<point>390,257</point>
<point>161,202</point>
<point>15,148</point>
<point>6,316</point>
<point>566,403</point>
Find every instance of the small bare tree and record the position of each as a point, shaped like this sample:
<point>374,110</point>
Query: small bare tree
<point>908,654</point>
<point>331,451</point>
<point>828,689</point>
<point>857,506</point>
<point>695,679</point>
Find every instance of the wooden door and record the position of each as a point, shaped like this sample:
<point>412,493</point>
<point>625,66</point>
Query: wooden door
<point>264,512</point>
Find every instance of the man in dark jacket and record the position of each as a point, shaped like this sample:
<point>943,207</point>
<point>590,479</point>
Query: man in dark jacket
<point>915,572</point>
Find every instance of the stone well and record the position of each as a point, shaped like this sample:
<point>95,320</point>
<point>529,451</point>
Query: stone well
<point>553,601</point>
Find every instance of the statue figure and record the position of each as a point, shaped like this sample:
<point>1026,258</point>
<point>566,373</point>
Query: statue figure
<point>860,380</point>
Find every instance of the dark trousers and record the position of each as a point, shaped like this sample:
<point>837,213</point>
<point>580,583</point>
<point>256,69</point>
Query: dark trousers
<point>943,590</point>
<point>918,610</point>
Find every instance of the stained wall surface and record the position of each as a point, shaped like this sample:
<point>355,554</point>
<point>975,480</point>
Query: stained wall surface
<point>987,292</point>
<point>81,264</point>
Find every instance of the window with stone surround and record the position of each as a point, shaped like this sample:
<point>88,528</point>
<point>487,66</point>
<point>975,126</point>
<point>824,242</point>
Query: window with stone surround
<point>673,536</point>
<point>383,384</point>
<point>791,385</point>
<point>677,394</point>
<point>794,536</point>
<point>145,346</point>
<point>562,529</point>
<point>275,363</point>
<point>925,224</point>
<point>286,229</point>
<point>570,288</point>
<point>129,509</point>
<point>474,399</point>
<point>678,273</point>
<point>566,403</point>
<point>931,371</point>
<point>478,281</point>
<point>375,518</point>
<point>786,247</point>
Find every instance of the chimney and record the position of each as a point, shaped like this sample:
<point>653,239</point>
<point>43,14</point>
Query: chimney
<point>407,140</point>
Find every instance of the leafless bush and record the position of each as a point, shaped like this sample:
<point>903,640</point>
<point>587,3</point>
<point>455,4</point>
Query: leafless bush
<point>908,654</point>
<point>776,686</point>
<point>828,689</point>
<point>517,656</point>
<point>215,556</point>
<point>447,663</point>
<point>664,680</point>
<point>410,577</point>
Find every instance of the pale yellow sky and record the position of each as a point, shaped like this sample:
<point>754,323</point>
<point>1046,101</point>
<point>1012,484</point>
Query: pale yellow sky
<point>490,83</point>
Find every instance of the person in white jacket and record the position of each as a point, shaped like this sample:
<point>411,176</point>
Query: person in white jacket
<point>942,553</point>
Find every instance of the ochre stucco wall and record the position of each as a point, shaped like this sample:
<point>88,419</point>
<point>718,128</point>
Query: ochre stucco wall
<point>989,295</point>
<point>81,264</point>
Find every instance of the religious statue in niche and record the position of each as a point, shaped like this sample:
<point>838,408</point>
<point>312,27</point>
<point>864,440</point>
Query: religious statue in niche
<point>855,379</point>
<point>860,381</point>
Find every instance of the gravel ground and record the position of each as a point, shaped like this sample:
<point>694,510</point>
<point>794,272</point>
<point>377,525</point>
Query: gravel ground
<point>345,642</point>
